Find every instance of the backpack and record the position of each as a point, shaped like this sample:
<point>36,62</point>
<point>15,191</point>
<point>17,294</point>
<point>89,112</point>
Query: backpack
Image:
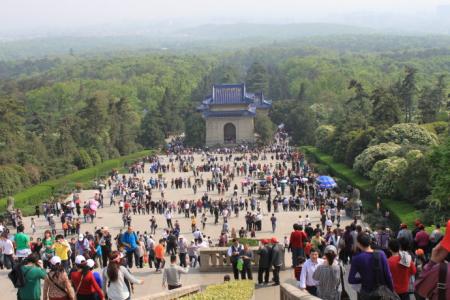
<point>381,291</point>
<point>17,277</point>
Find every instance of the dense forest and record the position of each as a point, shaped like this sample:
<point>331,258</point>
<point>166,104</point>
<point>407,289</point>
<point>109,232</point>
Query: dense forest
<point>378,104</point>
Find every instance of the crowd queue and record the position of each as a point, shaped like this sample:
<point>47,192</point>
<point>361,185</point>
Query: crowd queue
<point>381,263</point>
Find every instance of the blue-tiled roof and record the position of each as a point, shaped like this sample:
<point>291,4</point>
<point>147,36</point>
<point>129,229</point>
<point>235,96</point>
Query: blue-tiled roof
<point>224,94</point>
<point>229,113</point>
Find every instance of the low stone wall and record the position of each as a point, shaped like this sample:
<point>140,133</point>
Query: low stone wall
<point>215,259</point>
<point>174,294</point>
<point>291,292</point>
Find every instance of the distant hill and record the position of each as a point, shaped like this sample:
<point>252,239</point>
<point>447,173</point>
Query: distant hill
<point>275,31</point>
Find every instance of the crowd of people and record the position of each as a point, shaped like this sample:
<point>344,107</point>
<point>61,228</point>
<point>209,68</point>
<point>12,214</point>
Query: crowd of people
<point>78,264</point>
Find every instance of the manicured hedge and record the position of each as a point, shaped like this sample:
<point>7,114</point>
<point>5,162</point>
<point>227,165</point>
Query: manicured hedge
<point>233,290</point>
<point>401,212</point>
<point>29,198</point>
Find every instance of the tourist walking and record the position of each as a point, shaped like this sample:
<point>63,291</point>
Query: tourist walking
<point>402,268</point>
<point>22,242</point>
<point>264,253</point>
<point>371,266</point>
<point>33,271</point>
<point>130,241</point>
<point>328,276</point>
<point>115,276</point>
<point>277,253</point>
<point>57,285</point>
<point>297,243</point>
<point>172,274</point>
<point>83,280</point>
<point>307,280</point>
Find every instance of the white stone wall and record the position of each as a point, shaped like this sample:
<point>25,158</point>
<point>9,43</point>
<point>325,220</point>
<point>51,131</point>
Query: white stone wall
<point>245,130</point>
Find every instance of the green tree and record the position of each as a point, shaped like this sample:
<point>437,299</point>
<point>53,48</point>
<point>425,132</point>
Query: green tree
<point>385,108</point>
<point>301,97</point>
<point>432,100</point>
<point>151,135</point>
<point>357,107</point>
<point>195,130</point>
<point>265,129</point>
<point>257,78</point>
<point>128,122</point>
<point>170,113</point>
<point>408,91</point>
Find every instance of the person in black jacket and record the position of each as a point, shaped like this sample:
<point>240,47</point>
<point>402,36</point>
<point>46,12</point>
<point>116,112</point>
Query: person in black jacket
<point>276,259</point>
<point>264,252</point>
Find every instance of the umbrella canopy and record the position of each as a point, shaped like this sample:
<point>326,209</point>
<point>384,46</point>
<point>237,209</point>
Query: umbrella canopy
<point>326,182</point>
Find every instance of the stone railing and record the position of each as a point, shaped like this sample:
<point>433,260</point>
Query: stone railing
<point>291,292</point>
<point>216,259</point>
<point>174,294</point>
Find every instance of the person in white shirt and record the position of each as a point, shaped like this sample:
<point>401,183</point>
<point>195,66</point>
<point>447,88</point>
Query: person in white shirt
<point>306,276</point>
<point>168,216</point>
<point>7,249</point>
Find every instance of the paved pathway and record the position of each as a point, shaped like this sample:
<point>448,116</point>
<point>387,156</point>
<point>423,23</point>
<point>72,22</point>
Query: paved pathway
<point>109,216</point>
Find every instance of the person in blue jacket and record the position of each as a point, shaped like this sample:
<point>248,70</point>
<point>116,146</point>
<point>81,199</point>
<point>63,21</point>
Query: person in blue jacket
<point>129,240</point>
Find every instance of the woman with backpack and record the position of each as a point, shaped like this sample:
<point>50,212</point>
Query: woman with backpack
<point>57,285</point>
<point>115,277</point>
<point>83,280</point>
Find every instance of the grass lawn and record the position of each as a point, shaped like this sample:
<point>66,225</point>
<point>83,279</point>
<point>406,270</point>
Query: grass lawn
<point>27,199</point>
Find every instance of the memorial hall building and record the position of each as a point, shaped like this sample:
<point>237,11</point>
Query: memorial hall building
<point>229,114</point>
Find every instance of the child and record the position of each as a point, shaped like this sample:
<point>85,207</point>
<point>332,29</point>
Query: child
<point>298,267</point>
<point>253,233</point>
<point>286,244</point>
<point>226,278</point>
<point>308,247</point>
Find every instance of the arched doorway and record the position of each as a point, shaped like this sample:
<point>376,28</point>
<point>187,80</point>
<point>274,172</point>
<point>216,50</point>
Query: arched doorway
<point>229,134</point>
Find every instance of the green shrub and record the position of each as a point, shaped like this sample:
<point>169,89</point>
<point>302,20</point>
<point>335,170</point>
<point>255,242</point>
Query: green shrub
<point>324,135</point>
<point>83,160</point>
<point>358,145</point>
<point>367,159</point>
<point>95,156</point>
<point>387,173</point>
<point>250,241</point>
<point>408,134</point>
<point>341,143</point>
<point>232,290</point>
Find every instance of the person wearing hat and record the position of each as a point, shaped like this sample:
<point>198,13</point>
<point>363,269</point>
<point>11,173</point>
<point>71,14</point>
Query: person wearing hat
<point>328,275</point>
<point>83,280</point>
<point>57,285</point>
<point>91,264</point>
<point>402,268</point>
<point>82,245</point>
<point>277,253</point>
<point>115,276</point>
<point>264,252</point>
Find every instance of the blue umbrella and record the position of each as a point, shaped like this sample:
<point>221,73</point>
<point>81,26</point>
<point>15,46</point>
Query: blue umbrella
<point>326,182</point>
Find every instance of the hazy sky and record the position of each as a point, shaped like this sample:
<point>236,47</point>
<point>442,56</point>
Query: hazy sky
<point>29,14</point>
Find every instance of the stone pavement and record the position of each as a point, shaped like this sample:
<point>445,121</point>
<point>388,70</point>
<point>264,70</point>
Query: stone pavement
<point>109,216</point>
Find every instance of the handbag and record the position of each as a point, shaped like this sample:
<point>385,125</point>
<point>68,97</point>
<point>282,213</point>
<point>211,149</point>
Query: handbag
<point>344,294</point>
<point>381,291</point>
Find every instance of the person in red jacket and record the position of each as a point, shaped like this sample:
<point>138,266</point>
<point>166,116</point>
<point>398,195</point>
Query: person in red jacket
<point>296,243</point>
<point>83,280</point>
<point>402,268</point>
